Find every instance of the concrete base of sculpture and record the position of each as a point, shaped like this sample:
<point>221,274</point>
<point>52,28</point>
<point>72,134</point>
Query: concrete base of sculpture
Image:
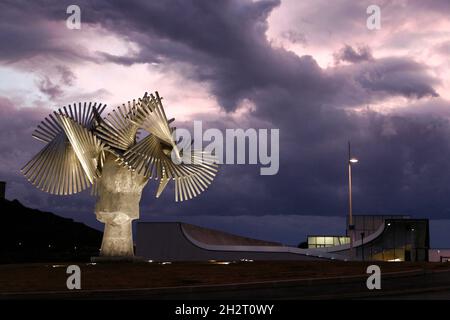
<point>118,235</point>
<point>117,259</point>
<point>118,195</point>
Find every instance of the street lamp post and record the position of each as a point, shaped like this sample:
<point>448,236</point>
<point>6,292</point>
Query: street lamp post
<point>351,226</point>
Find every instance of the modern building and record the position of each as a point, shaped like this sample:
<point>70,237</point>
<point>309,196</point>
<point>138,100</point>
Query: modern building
<point>376,238</point>
<point>176,241</point>
<point>386,238</point>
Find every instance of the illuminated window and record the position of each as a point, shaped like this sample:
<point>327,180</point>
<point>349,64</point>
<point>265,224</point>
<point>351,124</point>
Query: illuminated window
<point>326,241</point>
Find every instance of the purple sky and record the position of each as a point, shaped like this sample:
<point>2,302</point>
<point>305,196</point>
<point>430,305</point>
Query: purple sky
<point>310,68</point>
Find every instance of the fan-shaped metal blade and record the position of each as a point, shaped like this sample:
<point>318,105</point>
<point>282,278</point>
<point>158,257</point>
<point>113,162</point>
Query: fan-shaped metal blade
<point>162,185</point>
<point>89,149</point>
<point>151,117</point>
<point>85,114</point>
<point>56,168</point>
<point>150,158</point>
<point>118,129</point>
<point>195,177</point>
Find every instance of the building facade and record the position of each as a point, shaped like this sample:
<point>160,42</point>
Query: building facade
<point>386,238</point>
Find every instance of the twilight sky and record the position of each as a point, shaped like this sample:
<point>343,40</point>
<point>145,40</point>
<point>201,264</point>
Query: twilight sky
<point>310,68</point>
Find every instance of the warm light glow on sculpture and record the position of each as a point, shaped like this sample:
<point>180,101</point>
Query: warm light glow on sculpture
<point>85,150</point>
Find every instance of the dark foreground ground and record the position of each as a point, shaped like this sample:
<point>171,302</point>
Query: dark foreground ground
<point>241,280</point>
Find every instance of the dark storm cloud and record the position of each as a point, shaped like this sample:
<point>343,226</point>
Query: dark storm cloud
<point>37,29</point>
<point>47,87</point>
<point>16,125</point>
<point>16,146</point>
<point>295,37</point>
<point>348,54</point>
<point>22,33</point>
<point>403,165</point>
<point>67,77</point>
<point>440,6</point>
<point>398,77</point>
<point>225,42</point>
<point>378,79</point>
<point>20,42</point>
<point>53,83</point>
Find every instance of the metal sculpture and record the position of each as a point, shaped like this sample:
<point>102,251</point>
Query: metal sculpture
<point>85,150</point>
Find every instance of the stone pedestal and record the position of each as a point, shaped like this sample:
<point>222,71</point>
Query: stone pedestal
<point>118,195</point>
<point>118,236</point>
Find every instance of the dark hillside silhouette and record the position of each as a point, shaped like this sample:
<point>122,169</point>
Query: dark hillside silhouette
<point>30,235</point>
